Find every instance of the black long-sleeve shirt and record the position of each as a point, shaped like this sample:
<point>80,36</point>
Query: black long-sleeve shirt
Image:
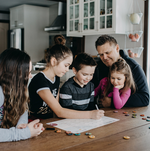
<point>141,97</point>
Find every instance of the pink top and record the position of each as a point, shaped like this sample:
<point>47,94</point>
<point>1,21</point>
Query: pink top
<point>119,97</point>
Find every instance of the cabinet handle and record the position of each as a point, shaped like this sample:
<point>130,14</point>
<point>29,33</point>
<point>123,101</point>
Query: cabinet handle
<point>20,24</point>
<point>96,25</point>
<point>78,27</point>
<point>81,27</point>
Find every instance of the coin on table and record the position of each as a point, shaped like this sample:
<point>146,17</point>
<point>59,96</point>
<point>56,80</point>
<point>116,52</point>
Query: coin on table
<point>126,137</point>
<point>91,136</point>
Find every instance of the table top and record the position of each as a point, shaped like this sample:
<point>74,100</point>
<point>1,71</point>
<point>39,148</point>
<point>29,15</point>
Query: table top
<point>108,137</point>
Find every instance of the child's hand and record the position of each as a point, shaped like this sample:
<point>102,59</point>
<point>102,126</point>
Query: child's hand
<point>119,86</point>
<point>97,114</point>
<point>106,101</point>
<point>21,126</point>
<point>35,128</point>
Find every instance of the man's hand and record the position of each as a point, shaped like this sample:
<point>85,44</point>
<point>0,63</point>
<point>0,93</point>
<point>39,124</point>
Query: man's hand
<point>105,101</point>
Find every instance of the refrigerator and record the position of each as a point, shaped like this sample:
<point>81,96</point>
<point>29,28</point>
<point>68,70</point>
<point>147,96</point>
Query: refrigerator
<point>16,38</point>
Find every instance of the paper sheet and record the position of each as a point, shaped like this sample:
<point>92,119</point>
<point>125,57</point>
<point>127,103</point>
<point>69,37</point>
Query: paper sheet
<point>82,125</point>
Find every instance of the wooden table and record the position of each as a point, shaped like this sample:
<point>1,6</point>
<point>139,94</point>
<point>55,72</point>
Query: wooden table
<point>108,138</point>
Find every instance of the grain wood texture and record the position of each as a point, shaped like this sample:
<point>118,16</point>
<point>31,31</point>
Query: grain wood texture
<point>108,137</point>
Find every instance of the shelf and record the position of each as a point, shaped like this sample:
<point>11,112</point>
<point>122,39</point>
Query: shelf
<point>134,36</point>
<point>134,52</point>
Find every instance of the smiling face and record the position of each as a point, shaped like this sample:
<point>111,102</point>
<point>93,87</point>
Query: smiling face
<point>108,53</point>
<point>63,66</point>
<point>117,79</point>
<point>83,76</point>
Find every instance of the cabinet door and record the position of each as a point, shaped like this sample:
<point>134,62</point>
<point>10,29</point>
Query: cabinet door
<point>89,16</point>
<point>20,21</point>
<point>105,11</point>
<point>73,17</point>
<point>13,18</point>
<point>17,17</point>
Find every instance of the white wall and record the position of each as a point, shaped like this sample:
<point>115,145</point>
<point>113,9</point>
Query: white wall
<point>90,40</point>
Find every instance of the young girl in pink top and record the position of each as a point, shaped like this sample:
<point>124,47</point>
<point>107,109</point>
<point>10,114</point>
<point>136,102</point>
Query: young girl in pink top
<point>119,85</point>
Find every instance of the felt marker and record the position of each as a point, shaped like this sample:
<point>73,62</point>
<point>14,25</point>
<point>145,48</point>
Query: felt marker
<point>96,107</point>
<point>50,128</point>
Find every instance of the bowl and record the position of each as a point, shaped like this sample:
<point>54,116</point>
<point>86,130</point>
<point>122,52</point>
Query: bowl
<point>135,18</point>
<point>134,52</point>
<point>134,36</point>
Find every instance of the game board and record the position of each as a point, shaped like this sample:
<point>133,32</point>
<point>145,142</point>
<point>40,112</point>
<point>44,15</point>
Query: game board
<point>82,125</point>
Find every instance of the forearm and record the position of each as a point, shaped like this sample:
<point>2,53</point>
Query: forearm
<point>14,134</point>
<point>138,100</point>
<point>23,119</point>
<point>120,100</point>
<point>73,114</point>
<point>141,96</point>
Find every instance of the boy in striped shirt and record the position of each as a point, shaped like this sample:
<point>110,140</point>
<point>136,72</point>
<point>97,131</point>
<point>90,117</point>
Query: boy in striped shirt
<point>78,92</point>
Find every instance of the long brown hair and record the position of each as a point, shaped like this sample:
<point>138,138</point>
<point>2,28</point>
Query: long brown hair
<point>58,51</point>
<point>14,75</point>
<point>122,67</point>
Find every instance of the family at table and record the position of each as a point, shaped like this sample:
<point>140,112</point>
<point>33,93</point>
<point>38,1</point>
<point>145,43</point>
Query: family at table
<point>115,81</point>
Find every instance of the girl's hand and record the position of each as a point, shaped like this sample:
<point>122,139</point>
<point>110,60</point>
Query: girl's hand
<point>97,114</point>
<point>119,86</point>
<point>35,128</point>
<point>21,126</point>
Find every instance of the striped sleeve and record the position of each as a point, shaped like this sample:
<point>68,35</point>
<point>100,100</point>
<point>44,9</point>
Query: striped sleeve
<point>92,97</point>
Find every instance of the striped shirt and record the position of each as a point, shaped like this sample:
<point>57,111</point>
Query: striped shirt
<point>74,96</point>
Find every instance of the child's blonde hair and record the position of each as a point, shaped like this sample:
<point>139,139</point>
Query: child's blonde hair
<point>122,67</point>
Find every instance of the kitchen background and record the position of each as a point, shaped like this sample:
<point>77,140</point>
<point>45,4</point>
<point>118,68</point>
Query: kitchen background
<point>36,16</point>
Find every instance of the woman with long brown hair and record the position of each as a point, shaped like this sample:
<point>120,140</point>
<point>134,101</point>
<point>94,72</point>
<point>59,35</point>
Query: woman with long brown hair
<point>15,70</point>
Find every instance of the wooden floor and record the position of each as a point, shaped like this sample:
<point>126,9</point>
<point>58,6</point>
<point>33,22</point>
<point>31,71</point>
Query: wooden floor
<point>108,138</point>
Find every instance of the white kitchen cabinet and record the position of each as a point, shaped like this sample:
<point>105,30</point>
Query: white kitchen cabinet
<point>17,17</point>
<point>92,17</point>
<point>73,17</point>
<point>33,19</point>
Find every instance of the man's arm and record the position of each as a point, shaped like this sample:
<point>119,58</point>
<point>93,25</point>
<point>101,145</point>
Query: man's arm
<point>141,97</point>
